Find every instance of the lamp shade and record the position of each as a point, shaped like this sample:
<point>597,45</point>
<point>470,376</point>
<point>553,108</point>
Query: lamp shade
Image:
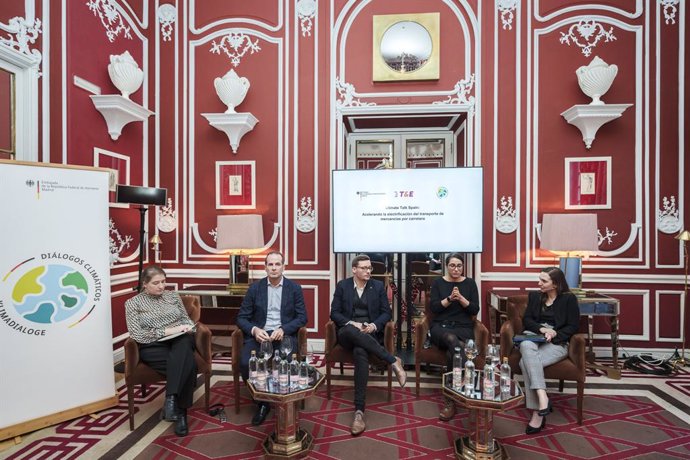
<point>683,236</point>
<point>240,233</point>
<point>569,232</point>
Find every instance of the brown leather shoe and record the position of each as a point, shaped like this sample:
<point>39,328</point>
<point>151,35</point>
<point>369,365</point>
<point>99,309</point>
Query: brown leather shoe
<point>448,412</point>
<point>399,371</point>
<point>358,425</point>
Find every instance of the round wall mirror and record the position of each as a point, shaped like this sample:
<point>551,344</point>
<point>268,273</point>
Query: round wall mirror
<point>406,46</point>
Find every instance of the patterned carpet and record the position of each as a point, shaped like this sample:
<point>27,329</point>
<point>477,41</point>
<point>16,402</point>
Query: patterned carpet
<point>640,416</point>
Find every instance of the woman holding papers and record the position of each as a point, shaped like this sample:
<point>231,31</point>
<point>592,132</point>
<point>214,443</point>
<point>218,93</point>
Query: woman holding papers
<point>552,314</point>
<point>157,320</point>
<point>454,302</point>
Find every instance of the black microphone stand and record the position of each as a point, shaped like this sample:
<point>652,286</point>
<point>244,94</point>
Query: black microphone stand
<point>142,246</point>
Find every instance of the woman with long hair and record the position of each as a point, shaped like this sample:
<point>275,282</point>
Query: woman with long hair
<point>552,314</point>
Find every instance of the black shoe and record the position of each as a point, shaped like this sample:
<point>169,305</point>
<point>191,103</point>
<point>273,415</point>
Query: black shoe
<point>181,428</point>
<point>170,411</point>
<point>532,430</point>
<point>261,414</point>
<point>545,412</point>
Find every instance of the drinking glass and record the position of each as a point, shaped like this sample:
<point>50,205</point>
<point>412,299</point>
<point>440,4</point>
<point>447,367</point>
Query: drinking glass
<point>266,349</point>
<point>470,349</point>
<point>286,347</point>
<point>493,353</point>
<point>310,355</point>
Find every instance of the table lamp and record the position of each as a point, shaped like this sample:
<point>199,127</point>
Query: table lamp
<point>155,247</point>
<point>570,233</point>
<point>684,236</point>
<point>239,235</point>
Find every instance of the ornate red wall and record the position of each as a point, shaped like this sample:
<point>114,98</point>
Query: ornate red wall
<point>512,66</point>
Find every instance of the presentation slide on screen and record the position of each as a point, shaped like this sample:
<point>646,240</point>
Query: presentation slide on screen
<point>407,210</point>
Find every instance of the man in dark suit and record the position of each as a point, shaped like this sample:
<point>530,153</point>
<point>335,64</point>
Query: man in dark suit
<point>272,309</point>
<point>360,311</point>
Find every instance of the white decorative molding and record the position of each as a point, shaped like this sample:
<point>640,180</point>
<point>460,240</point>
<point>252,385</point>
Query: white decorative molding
<point>506,216</point>
<point>117,242</point>
<point>21,34</point>
<point>167,220</point>
<point>305,220</point>
<point>589,118</point>
<point>607,236</point>
<point>590,31</point>
<point>506,7</point>
<point>167,15</point>
<point>107,12</point>
<point>670,10</point>
<point>668,220</point>
<point>460,94</point>
<point>234,125</point>
<point>346,95</point>
<point>86,85</point>
<point>235,46</point>
<point>306,10</point>
<point>119,111</point>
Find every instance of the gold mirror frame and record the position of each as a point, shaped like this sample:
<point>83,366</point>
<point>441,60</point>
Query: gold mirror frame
<point>430,70</point>
<point>10,100</point>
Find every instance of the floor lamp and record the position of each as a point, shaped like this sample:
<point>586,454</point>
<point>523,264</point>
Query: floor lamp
<point>570,233</point>
<point>684,236</point>
<point>239,234</point>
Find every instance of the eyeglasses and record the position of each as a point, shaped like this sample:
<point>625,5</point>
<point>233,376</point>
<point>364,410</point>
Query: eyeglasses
<point>366,268</point>
<point>454,266</point>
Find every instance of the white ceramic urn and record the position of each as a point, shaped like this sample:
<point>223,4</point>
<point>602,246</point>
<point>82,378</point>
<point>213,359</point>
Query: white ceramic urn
<point>596,78</point>
<point>231,89</point>
<point>125,73</point>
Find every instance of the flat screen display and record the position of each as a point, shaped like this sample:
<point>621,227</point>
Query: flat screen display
<point>407,210</point>
<point>140,195</point>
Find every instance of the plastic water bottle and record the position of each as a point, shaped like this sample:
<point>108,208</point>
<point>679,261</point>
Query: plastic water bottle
<point>275,368</point>
<point>261,373</point>
<point>457,369</point>
<point>253,361</point>
<point>488,383</point>
<point>469,378</point>
<point>505,379</point>
<point>294,372</point>
<point>284,376</point>
<point>303,373</point>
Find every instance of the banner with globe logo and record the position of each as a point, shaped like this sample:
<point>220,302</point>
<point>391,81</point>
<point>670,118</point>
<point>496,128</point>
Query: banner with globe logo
<point>56,334</point>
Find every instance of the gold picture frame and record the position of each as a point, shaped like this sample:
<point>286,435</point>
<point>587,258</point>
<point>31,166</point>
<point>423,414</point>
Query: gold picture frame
<point>401,37</point>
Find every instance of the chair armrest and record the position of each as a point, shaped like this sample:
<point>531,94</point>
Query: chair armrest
<point>420,334</point>
<point>202,339</point>
<point>389,337</point>
<point>131,356</point>
<point>237,340</point>
<point>331,337</point>
<point>481,339</point>
<point>506,336</point>
<point>577,351</point>
<point>302,341</point>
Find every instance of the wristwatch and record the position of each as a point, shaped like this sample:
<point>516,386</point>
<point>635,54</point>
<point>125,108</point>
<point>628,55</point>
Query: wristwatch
<point>448,299</point>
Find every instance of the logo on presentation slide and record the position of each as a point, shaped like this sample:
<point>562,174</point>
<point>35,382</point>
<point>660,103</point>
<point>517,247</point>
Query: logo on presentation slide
<point>442,192</point>
<point>41,292</point>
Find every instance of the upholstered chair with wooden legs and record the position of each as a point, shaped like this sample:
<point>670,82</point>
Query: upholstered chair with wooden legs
<point>237,340</point>
<point>138,373</point>
<point>334,353</point>
<point>570,368</point>
<point>434,355</point>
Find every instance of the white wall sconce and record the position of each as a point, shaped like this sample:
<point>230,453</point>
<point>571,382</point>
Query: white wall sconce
<point>595,80</point>
<point>232,89</point>
<point>119,110</point>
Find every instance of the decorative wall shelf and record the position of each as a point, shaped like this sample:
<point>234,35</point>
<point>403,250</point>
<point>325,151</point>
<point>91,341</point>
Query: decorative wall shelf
<point>589,118</point>
<point>119,111</point>
<point>234,125</point>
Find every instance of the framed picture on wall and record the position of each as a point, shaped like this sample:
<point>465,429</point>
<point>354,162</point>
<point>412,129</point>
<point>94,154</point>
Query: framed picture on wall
<point>235,185</point>
<point>588,183</point>
<point>118,165</point>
